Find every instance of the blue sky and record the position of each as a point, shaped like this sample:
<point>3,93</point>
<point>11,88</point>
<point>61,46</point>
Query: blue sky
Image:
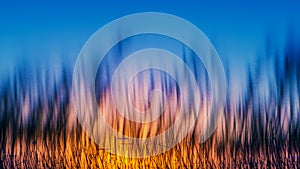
<point>47,31</point>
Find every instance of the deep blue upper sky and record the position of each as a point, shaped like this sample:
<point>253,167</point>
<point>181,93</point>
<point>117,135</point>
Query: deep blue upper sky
<point>44,31</point>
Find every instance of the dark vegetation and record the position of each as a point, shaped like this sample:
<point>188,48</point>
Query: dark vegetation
<point>38,128</point>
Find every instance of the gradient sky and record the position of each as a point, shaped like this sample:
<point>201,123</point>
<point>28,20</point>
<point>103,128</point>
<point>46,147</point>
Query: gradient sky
<point>47,31</point>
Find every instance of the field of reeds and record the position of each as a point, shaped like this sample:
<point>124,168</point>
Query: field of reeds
<point>260,127</point>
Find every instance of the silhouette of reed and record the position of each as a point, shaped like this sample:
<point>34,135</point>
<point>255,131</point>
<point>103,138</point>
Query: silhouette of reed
<point>260,127</point>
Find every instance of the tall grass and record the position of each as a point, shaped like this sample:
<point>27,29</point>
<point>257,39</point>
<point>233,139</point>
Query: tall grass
<point>260,128</point>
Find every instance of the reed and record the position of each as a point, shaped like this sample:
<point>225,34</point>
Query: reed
<point>260,127</point>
